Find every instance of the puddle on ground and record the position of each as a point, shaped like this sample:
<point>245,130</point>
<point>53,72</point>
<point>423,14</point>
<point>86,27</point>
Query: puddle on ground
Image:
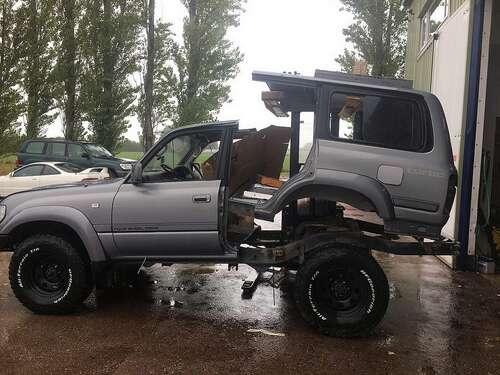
<point>394,291</point>
<point>188,269</point>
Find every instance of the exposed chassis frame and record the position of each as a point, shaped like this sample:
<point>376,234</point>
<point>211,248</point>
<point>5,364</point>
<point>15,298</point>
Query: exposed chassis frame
<point>356,240</point>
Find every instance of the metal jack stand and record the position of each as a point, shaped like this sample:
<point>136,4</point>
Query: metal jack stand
<point>250,285</point>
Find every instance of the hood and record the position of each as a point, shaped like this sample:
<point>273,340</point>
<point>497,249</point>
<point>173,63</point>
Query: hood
<point>110,158</point>
<point>64,194</point>
<point>80,184</point>
<point>115,159</point>
<point>93,199</point>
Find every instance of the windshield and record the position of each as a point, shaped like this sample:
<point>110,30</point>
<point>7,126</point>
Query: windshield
<point>68,167</point>
<point>98,151</point>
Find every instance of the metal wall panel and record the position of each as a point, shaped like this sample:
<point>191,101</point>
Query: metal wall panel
<point>423,69</point>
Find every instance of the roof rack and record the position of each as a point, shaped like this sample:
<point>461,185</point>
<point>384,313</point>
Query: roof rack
<point>357,78</point>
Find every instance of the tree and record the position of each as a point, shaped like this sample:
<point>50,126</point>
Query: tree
<point>68,70</point>
<point>207,60</point>
<point>147,123</point>
<point>110,51</point>
<point>347,60</point>
<point>11,100</point>
<point>131,146</point>
<point>159,106</point>
<point>37,27</point>
<point>378,36</point>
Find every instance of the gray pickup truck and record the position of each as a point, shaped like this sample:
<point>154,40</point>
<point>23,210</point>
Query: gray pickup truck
<point>198,195</point>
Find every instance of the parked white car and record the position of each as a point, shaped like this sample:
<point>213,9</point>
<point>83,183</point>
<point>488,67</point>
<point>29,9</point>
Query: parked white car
<point>47,173</point>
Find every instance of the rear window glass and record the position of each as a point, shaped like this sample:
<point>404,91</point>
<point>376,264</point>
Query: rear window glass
<point>49,171</point>
<point>68,167</point>
<point>56,149</point>
<point>379,121</point>
<point>35,148</point>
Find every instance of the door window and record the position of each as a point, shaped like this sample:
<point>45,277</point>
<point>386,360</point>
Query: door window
<point>56,149</point>
<point>35,148</point>
<point>187,157</point>
<point>32,170</point>
<point>382,121</point>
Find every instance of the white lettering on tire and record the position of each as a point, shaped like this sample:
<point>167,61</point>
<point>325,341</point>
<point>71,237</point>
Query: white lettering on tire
<point>311,301</point>
<point>372,289</point>
<point>70,282</point>
<point>21,263</point>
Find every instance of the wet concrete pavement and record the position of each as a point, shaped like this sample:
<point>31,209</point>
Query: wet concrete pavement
<point>438,322</point>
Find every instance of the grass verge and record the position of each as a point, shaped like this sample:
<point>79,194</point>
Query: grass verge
<point>7,164</point>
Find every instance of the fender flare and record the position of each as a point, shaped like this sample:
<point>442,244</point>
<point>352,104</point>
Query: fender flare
<point>359,191</point>
<point>68,216</point>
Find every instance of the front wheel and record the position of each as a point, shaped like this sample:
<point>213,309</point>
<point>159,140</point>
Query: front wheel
<point>48,276</point>
<point>342,292</point>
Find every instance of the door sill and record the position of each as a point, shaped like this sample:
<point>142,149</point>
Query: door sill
<point>224,258</point>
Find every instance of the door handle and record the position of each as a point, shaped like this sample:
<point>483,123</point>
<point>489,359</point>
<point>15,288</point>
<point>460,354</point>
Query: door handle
<point>204,198</point>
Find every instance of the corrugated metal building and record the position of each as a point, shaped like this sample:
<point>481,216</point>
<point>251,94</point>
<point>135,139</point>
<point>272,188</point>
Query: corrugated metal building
<point>453,50</point>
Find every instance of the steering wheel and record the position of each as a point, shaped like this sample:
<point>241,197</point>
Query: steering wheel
<point>166,168</point>
<point>196,169</point>
<point>183,172</point>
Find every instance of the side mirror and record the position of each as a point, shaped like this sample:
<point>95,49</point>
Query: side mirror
<point>85,155</point>
<point>136,176</point>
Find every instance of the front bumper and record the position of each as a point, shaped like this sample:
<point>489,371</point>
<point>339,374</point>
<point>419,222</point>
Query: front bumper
<point>4,242</point>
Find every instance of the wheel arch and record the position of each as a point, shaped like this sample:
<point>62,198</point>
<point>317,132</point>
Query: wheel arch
<point>356,190</point>
<point>64,221</point>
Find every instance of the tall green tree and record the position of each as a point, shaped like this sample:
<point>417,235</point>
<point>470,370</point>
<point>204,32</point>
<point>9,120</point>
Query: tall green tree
<point>110,40</point>
<point>207,61</point>
<point>11,100</point>
<point>37,26</point>
<point>69,67</point>
<point>158,107</point>
<point>378,36</point>
<point>147,121</point>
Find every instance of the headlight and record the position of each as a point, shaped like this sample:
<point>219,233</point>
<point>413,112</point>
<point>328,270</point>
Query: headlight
<point>126,167</point>
<point>3,211</point>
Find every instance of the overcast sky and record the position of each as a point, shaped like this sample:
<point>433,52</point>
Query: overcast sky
<point>276,36</point>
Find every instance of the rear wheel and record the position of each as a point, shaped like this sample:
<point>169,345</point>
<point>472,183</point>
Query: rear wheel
<point>342,292</point>
<point>48,276</point>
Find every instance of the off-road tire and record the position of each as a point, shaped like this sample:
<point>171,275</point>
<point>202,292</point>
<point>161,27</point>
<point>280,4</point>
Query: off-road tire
<point>324,295</point>
<point>48,276</point>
